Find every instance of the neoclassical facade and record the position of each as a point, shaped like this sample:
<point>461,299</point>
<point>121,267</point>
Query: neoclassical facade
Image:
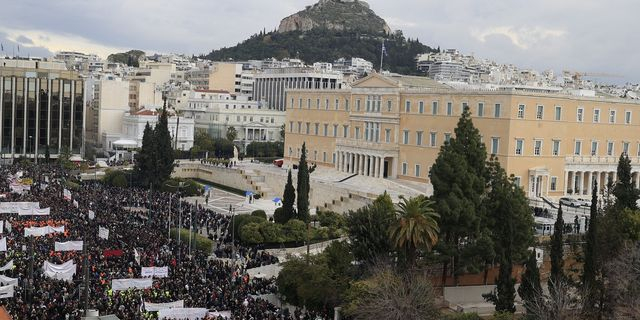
<point>392,127</point>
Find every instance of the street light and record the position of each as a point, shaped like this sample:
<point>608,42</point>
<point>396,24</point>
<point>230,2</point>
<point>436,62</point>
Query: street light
<point>180,185</point>
<point>232,211</point>
<point>29,146</point>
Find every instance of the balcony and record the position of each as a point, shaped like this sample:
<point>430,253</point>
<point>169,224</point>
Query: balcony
<point>605,160</point>
<point>366,145</point>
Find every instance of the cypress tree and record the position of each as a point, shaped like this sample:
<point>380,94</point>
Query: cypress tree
<point>625,192</point>
<point>508,211</point>
<point>164,151</point>
<point>146,158</point>
<point>530,287</point>
<point>303,186</point>
<point>590,251</point>
<point>288,199</point>
<point>557,251</point>
<point>591,261</point>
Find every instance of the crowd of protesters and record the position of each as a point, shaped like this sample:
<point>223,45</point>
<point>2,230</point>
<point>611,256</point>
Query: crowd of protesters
<point>138,221</point>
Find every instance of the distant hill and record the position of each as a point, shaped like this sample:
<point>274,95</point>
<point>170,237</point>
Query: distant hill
<point>327,45</point>
<point>329,30</point>
<point>336,15</point>
<point>130,58</point>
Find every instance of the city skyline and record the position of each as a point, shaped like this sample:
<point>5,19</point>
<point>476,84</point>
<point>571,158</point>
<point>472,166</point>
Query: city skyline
<point>541,35</point>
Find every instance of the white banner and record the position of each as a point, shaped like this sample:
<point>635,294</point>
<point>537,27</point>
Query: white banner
<point>92,215</point>
<point>124,284</point>
<point>68,246</point>
<point>63,271</point>
<point>157,272</point>
<point>7,266</point>
<point>34,212</point>
<point>4,280</point>
<point>6,292</point>
<point>64,276</point>
<point>3,244</point>
<point>67,266</point>
<point>153,307</point>
<point>8,225</point>
<point>223,314</point>
<point>1,226</point>
<point>183,313</point>
<point>14,207</point>
<point>41,231</point>
<point>19,188</point>
<point>66,194</point>
<point>103,233</point>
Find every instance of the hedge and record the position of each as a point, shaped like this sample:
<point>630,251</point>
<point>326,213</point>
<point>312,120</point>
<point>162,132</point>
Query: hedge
<point>203,243</point>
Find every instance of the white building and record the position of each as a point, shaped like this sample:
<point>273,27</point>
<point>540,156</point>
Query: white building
<point>108,104</point>
<point>269,87</point>
<point>357,66</point>
<point>214,111</point>
<point>133,129</point>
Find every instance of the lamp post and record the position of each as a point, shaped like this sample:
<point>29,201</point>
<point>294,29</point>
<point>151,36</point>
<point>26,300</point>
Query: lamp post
<point>29,148</point>
<point>180,185</point>
<point>233,238</point>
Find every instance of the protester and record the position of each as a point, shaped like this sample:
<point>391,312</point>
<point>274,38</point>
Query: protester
<point>138,222</point>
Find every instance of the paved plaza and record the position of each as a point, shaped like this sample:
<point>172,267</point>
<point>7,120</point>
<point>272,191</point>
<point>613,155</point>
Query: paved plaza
<point>219,201</point>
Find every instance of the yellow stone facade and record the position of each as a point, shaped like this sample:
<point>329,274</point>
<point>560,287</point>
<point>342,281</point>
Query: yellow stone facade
<point>393,127</point>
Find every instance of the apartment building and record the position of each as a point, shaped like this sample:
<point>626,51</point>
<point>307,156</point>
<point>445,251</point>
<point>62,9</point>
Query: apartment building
<point>392,127</point>
<point>108,102</point>
<point>229,77</point>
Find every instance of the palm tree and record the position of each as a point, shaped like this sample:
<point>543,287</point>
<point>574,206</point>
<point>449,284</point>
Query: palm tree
<point>416,227</point>
<point>232,134</point>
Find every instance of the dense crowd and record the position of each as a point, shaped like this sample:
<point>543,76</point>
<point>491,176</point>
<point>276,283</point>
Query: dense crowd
<point>138,221</point>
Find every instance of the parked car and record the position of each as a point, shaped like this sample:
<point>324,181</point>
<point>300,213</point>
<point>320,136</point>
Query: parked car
<point>569,202</point>
<point>584,202</point>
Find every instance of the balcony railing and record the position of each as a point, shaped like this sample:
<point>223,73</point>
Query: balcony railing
<point>363,144</point>
<point>598,160</point>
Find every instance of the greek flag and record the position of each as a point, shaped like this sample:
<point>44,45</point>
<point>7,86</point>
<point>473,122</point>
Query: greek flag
<point>384,50</point>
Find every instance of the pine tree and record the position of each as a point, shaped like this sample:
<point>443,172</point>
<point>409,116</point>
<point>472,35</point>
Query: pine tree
<point>624,191</point>
<point>530,287</point>
<point>164,151</point>
<point>288,199</point>
<point>557,251</point>
<point>303,186</point>
<point>458,179</point>
<point>146,158</point>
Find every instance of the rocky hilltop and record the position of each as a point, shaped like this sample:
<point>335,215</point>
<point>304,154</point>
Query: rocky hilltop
<point>336,15</point>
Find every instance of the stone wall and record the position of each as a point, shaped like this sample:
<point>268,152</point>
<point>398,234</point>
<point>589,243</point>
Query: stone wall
<point>220,175</point>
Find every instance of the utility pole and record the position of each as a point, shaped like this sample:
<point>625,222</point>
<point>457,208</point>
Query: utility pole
<point>233,238</point>
<point>30,288</point>
<point>86,277</point>
<point>179,224</point>
<point>169,219</point>
<point>190,227</point>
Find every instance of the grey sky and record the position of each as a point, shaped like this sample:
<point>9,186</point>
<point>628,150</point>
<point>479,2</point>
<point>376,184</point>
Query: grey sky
<point>580,35</point>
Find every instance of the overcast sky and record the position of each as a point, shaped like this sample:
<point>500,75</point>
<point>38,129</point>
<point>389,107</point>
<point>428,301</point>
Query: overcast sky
<point>581,35</point>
